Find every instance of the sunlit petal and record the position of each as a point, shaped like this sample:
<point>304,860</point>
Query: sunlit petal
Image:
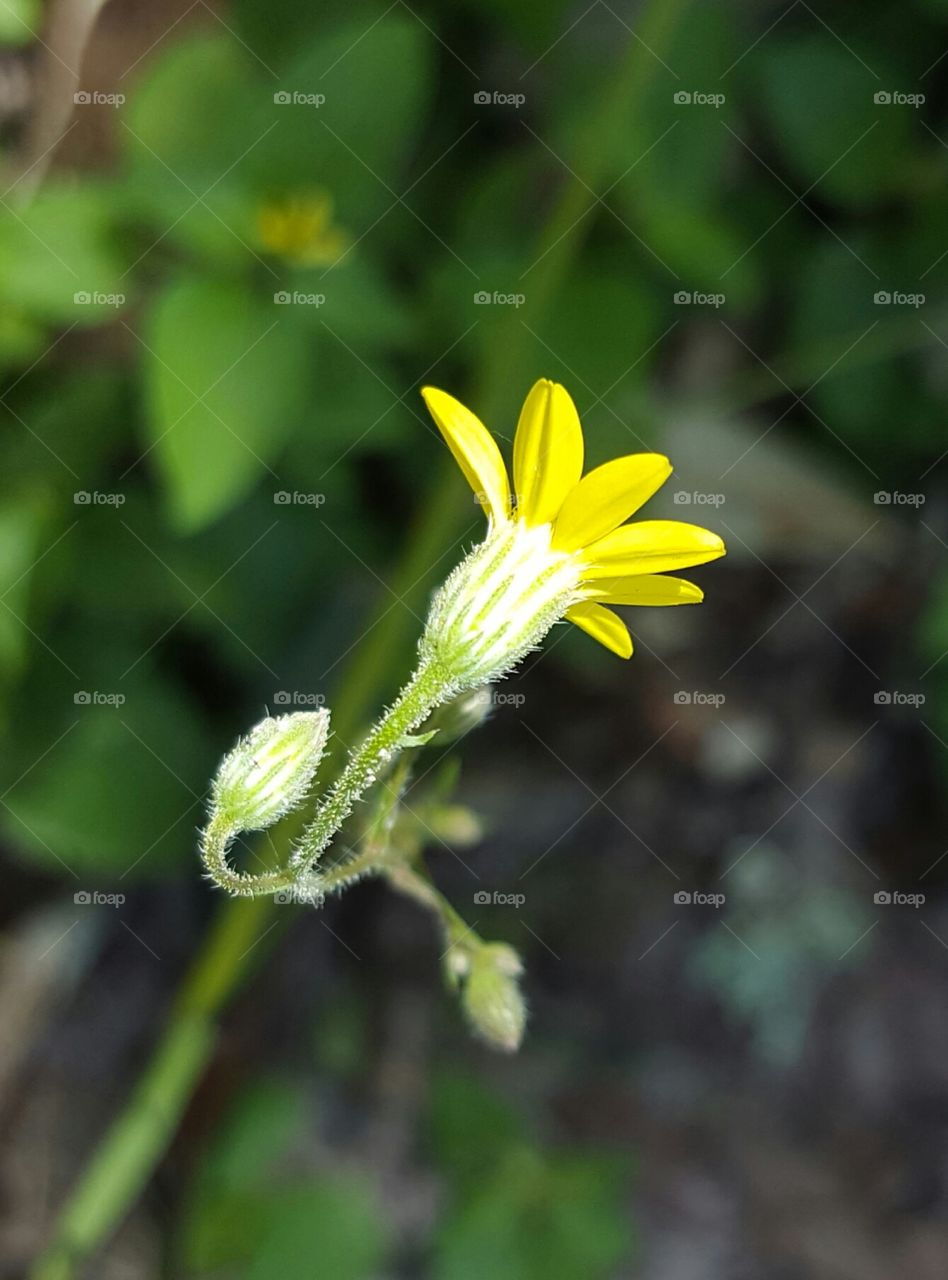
<point>603,625</point>
<point>651,546</point>
<point>547,453</point>
<point>653,588</point>
<point>606,497</point>
<point>475,451</point>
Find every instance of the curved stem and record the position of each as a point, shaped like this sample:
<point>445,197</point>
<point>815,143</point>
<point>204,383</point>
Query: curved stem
<point>215,846</point>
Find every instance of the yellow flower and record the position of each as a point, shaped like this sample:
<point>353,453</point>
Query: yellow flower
<point>558,546</point>
<point>300,228</point>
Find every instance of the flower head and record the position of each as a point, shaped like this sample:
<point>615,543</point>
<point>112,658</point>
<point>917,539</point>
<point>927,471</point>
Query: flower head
<point>558,545</point>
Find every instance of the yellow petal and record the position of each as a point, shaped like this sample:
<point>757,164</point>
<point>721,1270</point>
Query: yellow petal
<point>547,452</point>
<point>474,449</point>
<point>603,625</point>
<point>651,546</point>
<point>651,588</point>
<point>606,497</point>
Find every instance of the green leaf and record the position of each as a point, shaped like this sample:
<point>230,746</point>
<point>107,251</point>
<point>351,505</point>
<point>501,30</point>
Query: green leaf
<point>246,1215</point>
<point>225,383</point>
<point>254,1135</point>
<point>191,115</point>
<point>835,302</point>
<point>819,99</point>
<point>57,258</point>
<point>119,789</point>
<point>19,21</point>
<point>44,449</point>
<point>322,1228</point>
<point>556,1217</point>
<point>228,1208</point>
<point>21,337</point>
<point>471,1125</point>
<point>373,77</point>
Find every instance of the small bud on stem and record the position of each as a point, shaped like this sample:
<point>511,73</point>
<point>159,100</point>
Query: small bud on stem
<point>492,997</point>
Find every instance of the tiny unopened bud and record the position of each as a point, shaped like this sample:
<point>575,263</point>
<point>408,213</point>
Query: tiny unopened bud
<point>270,771</point>
<point>462,714</point>
<point>492,998</point>
<point>455,824</point>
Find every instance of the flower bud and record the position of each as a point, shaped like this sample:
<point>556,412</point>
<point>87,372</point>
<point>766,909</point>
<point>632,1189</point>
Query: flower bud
<point>270,771</point>
<point>492,998</point>
<point>455,824</point>
<point>462,714</point>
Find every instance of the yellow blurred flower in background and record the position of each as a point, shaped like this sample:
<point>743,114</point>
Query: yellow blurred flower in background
<point>300,228</point>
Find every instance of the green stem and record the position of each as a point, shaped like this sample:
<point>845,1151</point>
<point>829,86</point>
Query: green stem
<point>427,687</point>
<point>375,844</point>
<point>137,1140</point>
<point>215,845</point>
<point>414,883</point>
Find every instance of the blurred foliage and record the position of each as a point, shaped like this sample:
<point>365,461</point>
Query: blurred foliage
<point>208,436</point>
<point>521,1212</point>
<point>516,1210</point>
<point>792,927</point>
<point>215,315</point>
<point>250,1219</point>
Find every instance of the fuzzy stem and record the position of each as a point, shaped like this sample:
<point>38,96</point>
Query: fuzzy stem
<point>427,688</point>
<point>215,844</point>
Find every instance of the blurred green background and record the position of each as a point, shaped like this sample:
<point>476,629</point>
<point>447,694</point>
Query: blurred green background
<point>235,240</point>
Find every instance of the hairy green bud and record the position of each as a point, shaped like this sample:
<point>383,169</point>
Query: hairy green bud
<point>492,998</point>
<point>269,772</point>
